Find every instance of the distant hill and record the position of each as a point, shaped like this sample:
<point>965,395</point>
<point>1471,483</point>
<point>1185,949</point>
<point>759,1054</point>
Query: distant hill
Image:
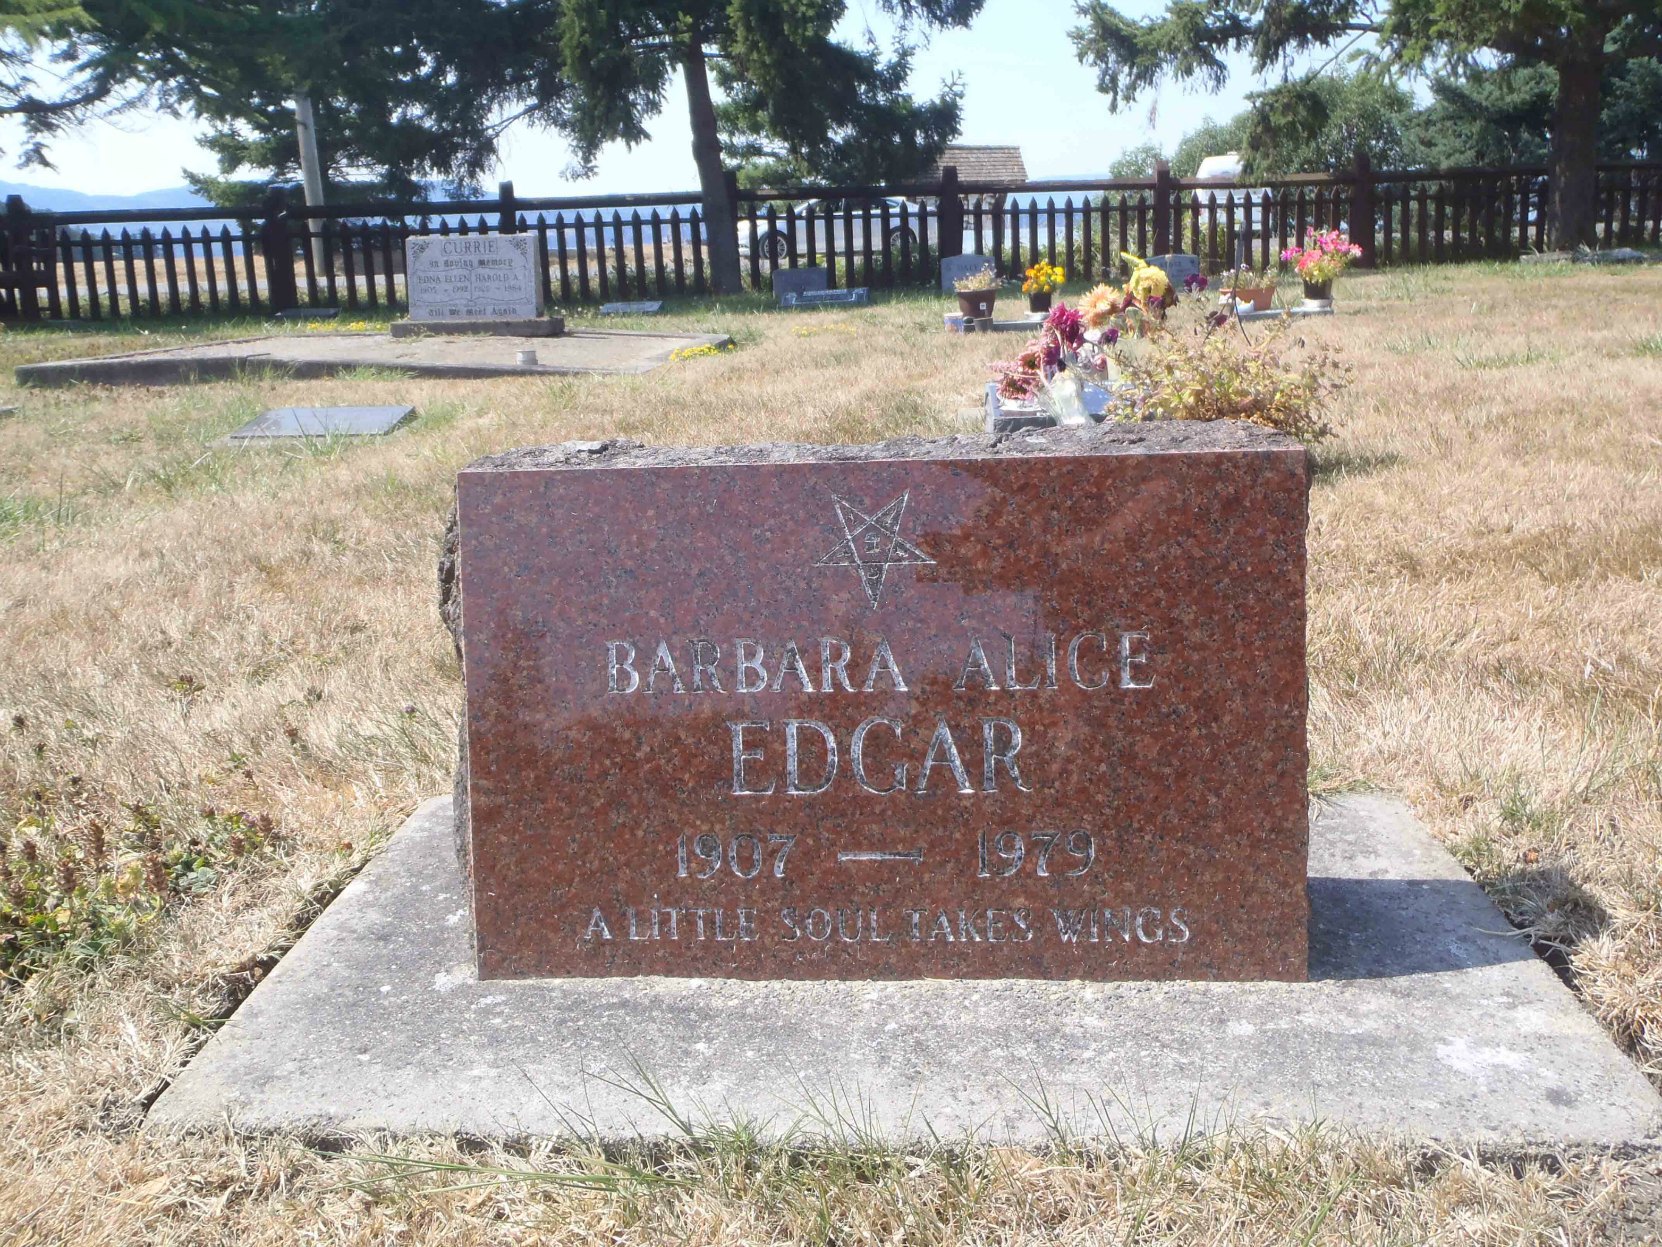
<point>47,199</point>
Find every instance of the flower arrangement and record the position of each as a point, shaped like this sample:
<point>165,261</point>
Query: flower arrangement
<point>1148,286</point>
<point>973,283</point>
<point>1155,368</point>
<point>1248,278</point>
<point>1325,255</point>
<point>1061,337</point>
<point>1043,278</point>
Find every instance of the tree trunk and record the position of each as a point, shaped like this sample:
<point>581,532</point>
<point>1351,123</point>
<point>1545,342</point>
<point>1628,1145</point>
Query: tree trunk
<point>721,227</point>
<point>1572,163</point>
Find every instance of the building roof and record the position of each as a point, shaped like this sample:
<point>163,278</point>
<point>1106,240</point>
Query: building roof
<point>981,164</point>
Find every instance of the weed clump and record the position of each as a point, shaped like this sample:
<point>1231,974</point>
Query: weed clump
<point>71,890</point>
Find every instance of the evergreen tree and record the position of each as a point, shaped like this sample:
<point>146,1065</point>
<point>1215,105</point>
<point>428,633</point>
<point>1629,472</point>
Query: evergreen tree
<point>1578,41</point>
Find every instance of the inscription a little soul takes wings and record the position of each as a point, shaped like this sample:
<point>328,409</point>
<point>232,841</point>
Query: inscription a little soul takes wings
<point>916,710</point>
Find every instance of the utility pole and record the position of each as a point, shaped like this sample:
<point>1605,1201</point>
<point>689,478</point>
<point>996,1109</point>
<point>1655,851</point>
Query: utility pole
<point>311,172</point>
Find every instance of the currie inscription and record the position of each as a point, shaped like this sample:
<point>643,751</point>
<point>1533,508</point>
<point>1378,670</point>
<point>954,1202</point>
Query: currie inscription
<point>1067,742</point>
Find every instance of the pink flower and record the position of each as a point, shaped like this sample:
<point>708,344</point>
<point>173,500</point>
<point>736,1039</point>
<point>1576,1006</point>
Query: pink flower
<point>1066,324</point>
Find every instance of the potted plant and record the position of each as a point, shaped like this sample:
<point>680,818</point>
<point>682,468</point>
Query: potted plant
<point>1042,280</point>
<point>977,292</point>
<point>1252,289</point>
<point>1325,255</point>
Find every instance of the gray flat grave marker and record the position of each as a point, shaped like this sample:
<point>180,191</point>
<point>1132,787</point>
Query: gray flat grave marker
<point>1179,267</point>
<point>826,298</point>
<point>323,422</point>
<point>955,266</point>
<point>472,277</point>
<point>308,313</point>
<point>639,307</point>
<point>800,280</point>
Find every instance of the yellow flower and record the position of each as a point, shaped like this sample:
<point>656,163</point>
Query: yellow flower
<point>1044,278</point>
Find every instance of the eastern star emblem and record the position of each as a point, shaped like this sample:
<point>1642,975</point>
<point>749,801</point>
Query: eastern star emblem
<point>872,544</point>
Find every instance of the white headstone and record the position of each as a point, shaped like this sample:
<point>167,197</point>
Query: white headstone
<point>1178,267</point>
<point>472,277</point>
<point>955,266</point>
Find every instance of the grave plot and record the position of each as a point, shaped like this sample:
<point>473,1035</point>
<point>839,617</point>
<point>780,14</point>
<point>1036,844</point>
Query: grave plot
<point>831,791</point>
<point>323,354</point>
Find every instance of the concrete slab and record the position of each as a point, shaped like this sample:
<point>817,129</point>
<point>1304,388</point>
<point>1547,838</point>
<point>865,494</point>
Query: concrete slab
<point>1426,1017</point>
<point>519,327</point>
<point>325,354</point>
<point>633,307</point>
<point>287,422</point>
<point>1275,313</point>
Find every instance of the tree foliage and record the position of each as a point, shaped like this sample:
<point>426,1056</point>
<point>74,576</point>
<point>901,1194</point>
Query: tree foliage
<point>410,90</point>
<point>1579,42</point>
<point>869,128</point>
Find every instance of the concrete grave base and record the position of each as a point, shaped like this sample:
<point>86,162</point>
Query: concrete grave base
<point>1426,1017</point>
<point>325,354</point>
<point>530,327</point>
<point>1275,313</point>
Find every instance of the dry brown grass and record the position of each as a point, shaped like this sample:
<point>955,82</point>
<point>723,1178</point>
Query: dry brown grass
<point>1486,553</point>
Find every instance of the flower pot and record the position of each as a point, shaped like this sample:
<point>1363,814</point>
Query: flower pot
<point>1319,293</point>
<point>1038,302</point>
<point>1252,298</point>
<point>977,304</point>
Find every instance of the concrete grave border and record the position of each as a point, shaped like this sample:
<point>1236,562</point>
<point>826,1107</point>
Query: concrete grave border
<point>1426,1018</point>
<point>175,365</point>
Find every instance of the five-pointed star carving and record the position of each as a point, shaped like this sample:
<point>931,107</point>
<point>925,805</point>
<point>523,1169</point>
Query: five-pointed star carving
<point>872,544</point>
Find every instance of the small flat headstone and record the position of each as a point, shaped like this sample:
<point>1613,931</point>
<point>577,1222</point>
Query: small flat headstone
<point>1179,267</point>
<point>826,298</point>
<point>1612,255</point>
<point>6,413</point>
<point>639,307</point>
<point>1006,416</point>
<point>308,313</point>
<point>474,277</point>
<point>955,266</point>
<point>323,422</point>
<point>800,280</point>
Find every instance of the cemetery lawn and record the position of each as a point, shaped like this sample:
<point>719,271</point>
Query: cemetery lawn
<point>228,666</point>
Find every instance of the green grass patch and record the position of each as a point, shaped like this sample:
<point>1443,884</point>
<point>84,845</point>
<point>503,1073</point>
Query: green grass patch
<point>72,890</point>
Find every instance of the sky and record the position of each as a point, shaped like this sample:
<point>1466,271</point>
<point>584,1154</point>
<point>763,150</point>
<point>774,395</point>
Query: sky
<point>1023,85</point>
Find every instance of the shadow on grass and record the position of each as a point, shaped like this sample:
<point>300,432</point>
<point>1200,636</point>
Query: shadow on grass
<point>1331,465</point>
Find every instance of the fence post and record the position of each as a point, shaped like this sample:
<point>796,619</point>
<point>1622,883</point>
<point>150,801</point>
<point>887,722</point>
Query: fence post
<point>20,259</point>
<point>1362,211</point>
<point>278,248</point>
<point>1162,207</point>
<point>949,216</point>
<point>507,220</point>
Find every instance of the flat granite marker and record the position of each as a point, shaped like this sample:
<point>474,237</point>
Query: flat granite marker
<point>965,708</point>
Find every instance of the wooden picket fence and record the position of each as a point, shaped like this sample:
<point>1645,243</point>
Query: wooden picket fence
<point>159,262</point>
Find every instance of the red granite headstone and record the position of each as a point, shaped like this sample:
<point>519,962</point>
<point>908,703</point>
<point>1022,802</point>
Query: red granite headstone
<point>925,709</point>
